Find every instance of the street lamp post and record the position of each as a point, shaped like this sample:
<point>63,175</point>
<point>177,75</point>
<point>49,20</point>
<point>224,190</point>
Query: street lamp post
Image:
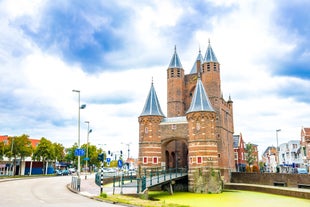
<point>88,131</point>
<point>128,149</point>
<point>79,144</point>
<point>277,151</point>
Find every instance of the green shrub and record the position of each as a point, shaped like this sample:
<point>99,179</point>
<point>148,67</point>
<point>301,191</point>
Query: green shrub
<point>103,195</point>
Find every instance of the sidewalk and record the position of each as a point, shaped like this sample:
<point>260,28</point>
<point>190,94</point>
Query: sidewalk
<point>90,189</point>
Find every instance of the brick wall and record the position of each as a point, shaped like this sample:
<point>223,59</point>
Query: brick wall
<point>292,180</point>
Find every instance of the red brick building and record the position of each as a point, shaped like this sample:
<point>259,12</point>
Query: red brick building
<point>198,131</point>
<point>239,150</point>
<point>241,154</point>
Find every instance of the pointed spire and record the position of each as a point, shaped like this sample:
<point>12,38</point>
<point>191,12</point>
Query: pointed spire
<point>175,60</point>
<point>152,107</point>
<point>199,58</point>
<point>200,101</point>
<point>210,55</point>
<point>229,99</point>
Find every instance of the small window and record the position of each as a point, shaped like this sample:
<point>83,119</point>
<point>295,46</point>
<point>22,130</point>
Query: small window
<point>219,155</point>
<point>173,126</point>
<point>155,160</point>
<point>146,130</point>
<point>197,126</point>
<point>172,73</point>
<point>144,160</point>
<point>199,160</point>
<point>179,73</point>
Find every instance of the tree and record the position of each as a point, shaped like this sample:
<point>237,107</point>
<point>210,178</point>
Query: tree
<point>44,152</point>
<point>70,157</point>
<point>20,146</point>
<point>59,152</point>
<point>23,146</point>
<point>250,152</point>
<point>2,150</point>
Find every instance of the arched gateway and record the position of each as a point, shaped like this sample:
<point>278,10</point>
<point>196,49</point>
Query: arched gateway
<point>197,134</point>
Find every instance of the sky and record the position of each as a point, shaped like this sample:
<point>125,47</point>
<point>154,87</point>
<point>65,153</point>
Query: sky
<point>111,51</point>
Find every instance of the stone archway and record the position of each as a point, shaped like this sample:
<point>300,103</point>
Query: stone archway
<point>176,153</point>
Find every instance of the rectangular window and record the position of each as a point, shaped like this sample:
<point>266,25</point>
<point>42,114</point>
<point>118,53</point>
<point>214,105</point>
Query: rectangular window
<point>236,155</point>
<point>173,126</point>
<point>144,160</point>
<point>191,160</point>
<point>199,160</point>
<point>179,73</point>
<point>155,160</point>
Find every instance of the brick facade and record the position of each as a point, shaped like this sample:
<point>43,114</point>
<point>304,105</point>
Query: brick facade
<point>201,141</point>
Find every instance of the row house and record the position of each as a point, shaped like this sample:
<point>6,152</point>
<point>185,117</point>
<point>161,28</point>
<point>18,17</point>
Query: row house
<point>241,154</point>
<point>270,159</point>
<point>305,147</point>
<point>290,156</point>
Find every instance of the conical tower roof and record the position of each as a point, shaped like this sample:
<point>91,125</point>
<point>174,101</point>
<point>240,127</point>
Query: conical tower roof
<point>199,58</point>
<point>152,106</point>
<point>210,55</point>
<point>200,101</point>
<point>175,60</point>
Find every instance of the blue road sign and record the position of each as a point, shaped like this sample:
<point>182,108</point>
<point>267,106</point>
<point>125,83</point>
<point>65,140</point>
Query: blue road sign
<point>79,152</point>
<point>120,163</point>
<point>86,158</point>
<point>108,160</point>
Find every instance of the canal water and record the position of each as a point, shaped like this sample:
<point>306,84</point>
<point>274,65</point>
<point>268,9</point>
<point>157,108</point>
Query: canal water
<point>230,198</point>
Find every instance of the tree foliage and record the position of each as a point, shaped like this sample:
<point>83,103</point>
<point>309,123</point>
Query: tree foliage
<point>44,151</point>
<point>59,150</point>
<point>250,150</point>
<point>19,146</point>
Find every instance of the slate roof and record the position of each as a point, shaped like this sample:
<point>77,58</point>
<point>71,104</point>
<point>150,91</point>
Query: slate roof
<point>200,100</point>
<point>210,55</point>
<point>175,60</point>
<point>152,106</point>
<point>199,58</point>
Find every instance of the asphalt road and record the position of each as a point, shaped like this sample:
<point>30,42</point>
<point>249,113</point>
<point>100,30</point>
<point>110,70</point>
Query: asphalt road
<point>45,192</point>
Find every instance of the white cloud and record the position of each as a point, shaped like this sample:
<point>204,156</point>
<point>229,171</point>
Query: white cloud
<point>245,40</point>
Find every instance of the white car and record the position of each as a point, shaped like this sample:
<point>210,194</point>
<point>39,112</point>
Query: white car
<point>72,170</point>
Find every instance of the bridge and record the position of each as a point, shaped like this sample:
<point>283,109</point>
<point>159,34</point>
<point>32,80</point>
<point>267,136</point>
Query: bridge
<point>150,177</point>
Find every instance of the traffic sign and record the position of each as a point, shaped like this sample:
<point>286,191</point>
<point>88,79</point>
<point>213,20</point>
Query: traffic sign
<point>79,152</point>
<point>86,158</point>
<point>108,160</point>
<point>120,163</point>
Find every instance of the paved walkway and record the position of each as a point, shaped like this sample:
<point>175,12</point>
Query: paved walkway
<point>90,189</point>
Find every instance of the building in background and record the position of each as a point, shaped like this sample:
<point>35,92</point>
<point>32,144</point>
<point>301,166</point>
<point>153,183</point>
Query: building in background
<point>290,156</point>
<point>239,150</point>
<point>269,158</point>
<point>241,155</point>
<point>305,147</point>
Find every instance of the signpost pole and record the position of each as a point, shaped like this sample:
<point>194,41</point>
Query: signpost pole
<point>101,181</point>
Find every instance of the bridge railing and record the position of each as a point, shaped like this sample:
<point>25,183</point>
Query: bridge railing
<point>153,176</point>
<point>148,177</point>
